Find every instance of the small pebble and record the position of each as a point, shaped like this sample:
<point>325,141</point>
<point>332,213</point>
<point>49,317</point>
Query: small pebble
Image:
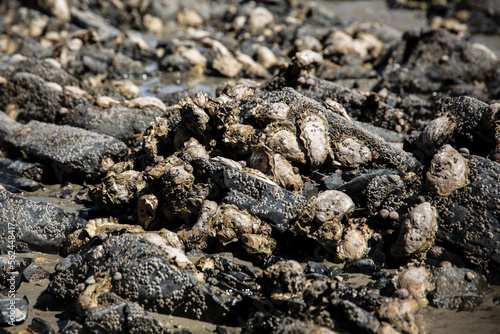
<point>394,215</point>
<point>80,287</point>
<point>469,276</point>
<point>384,213</point>
<point>320,217</point>
<point>310,82</point>
<point>403,293</point>
<point>117,276</point>
<point>464,150</point>
<point>377,237</point>
<point>339,278</point>
<point>90,280</point>
<point>301,80</point>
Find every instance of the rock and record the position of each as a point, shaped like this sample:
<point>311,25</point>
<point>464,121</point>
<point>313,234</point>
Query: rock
<point>66,149</point>
<point>422,54</point>
<point>35,274</point>
<point>259,198</point>
<point>418,282</point>
<point>417,232</point>
<point>42,326</point>
<point>18,182</point>
<point>41,226</point>
<point>124,317</point>
<point>448,172</point>
<point>460,122</point>
<point>227,65</point>
<point>34,171</point>
<point>13,311</point>
<point>454,291</point>
<point>143,265</point>
<point>355,318</point>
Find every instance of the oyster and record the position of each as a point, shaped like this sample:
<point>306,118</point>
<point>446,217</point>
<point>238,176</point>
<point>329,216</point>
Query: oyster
<point>313,131</point>
<point>281,137</point>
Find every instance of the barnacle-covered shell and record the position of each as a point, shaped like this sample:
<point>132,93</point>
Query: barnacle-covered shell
<point>230,222</point>
<point>352,152</point>
<point>354,243</point>
<point>227,162</point>
<point>175,177</point>
<point>335,204</point>
<point>147,207</point>
<point>448,172</point>
<point>313,129</point>
<point>195,238</point>
<point>194,118</point>
<point>195,150</point>
<point>152,137</point>
<point>257,243</point>
<point>258,175</point>
<point>281,137</point>
<point>417,280</point>
<point>118,189</point>
<point>283,280</point>
<point>417,232</point>
<point>236,134</point>
<point>271,112</point>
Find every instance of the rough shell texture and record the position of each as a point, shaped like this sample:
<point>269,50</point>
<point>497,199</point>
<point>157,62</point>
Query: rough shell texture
<point>283,280</point>
<point>282,138</point>
<point>118,189</point>
<point>314,135</point>
<point>352,152</point>
<point>448,172</point>
<point>418,282</point>
<point>354,243</point>
<point>417,233</point>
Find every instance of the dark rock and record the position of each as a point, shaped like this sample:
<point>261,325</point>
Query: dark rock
<point>144,267</point>
<point>35,274</point>
<point>437,59</point>
<point>34,171</point>
<point>458,288</point>
<point>67,262</point>
<point>66,149</point>
<point>41,326</point>
<point>18,182</point>
<point>259,198</point>
<point>469,217</point>
<point>355,318</point>
<point>363,266</point>
<point>125,317</point>
<point>332,181</point>
<point>42,226</point>
<point>13,311</point>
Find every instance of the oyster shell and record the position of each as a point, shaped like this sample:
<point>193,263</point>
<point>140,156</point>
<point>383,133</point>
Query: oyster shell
<point>313,131</point>
<point>281,137</point>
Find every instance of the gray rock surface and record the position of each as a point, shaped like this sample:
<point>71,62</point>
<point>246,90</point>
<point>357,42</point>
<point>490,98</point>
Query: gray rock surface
<point>65,148</point>
<point>40,226</point>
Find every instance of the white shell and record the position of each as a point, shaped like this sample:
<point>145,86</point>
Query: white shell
<point>314,135</point>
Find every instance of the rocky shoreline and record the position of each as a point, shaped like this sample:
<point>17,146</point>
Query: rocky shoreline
<point>343,176</point>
